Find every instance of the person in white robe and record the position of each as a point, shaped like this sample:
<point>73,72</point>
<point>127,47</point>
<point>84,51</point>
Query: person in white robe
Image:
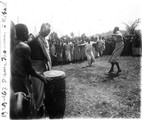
<point>89,52</point>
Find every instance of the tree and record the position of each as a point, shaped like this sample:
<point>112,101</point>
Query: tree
<point>131,28</point>
<point>134,36</point>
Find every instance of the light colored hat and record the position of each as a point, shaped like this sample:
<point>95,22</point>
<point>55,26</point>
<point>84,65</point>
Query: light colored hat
<point>45,29</point>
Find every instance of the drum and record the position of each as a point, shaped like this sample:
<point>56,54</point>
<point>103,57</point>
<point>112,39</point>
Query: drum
<point>55,94</point>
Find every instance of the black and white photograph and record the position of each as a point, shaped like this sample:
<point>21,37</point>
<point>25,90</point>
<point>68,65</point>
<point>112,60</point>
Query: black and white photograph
<point>70,59</point>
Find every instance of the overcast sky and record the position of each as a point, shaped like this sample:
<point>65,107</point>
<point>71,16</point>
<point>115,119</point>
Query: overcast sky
<point>78,16</point>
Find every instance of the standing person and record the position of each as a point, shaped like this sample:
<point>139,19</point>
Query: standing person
<point>12,36</point>
<point>41,62</point>
<point>68,51</point>
<point>100,45</point>
<point>14,113</point>
<point>103,45</point>
<point>72,50</point>
<point>75,51</point>
<point>60,52</point>
<point>53,52</point>
<point>31,37</point>
<point>88,52</point>
<point>117,51</point>
<point>82,49</point>
<point>64,52</point>
<point>18,98</point>
<point>95,46</point>
<point>21,68</point>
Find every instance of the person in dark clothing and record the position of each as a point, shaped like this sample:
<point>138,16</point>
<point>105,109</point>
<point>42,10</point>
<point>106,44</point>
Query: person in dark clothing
<point>41,62</point>
<point>21,67</point>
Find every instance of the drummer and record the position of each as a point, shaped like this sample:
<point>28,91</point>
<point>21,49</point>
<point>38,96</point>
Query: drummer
<point>41,62</point>
<point>21,68</point>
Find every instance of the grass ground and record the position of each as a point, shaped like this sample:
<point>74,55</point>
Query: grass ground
<point>92,93</point>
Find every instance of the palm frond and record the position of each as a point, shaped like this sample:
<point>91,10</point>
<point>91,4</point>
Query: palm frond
<point>130,28</point>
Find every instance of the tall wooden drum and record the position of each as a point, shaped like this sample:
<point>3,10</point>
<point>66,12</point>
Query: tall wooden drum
<point>55,97</point>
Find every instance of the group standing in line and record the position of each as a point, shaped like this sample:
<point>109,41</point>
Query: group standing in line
<point>70,50</point>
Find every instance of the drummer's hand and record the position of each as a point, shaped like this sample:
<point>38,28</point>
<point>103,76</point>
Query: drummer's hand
<point>46,79</point>
<point>50,67</point>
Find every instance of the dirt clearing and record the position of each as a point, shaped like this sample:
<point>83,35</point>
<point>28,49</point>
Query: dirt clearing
<point>92,93</point>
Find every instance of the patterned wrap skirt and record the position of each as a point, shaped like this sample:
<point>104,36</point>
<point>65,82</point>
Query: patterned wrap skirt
<point>117,52</point>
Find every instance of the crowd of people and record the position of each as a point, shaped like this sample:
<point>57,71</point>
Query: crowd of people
<point>69,50</point>
<point>31,56</point>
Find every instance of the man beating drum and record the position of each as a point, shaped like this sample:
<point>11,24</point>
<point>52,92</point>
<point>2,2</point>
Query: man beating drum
<point>41,62</point>
<point>21,68</point>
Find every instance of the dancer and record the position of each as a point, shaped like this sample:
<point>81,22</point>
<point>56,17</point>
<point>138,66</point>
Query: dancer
<point>117,51</point>
<point>88,52</point>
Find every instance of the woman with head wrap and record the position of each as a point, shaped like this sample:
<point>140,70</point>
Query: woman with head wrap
<point>44,31</point>
<point>117,51</point>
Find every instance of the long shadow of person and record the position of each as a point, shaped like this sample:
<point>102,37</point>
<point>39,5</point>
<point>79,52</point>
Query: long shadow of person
<point>87,66</point>
<point>111,76</point>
